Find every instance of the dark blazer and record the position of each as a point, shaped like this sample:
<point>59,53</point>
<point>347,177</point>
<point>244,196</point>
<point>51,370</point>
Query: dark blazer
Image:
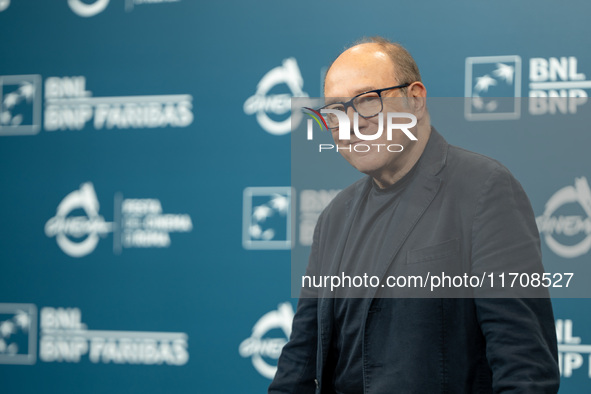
<point>461,210</point>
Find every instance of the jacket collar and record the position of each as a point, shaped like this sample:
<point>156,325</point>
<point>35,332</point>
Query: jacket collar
<point>434,156</point>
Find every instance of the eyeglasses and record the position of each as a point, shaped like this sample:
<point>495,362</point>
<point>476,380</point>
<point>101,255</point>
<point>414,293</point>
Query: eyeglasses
<point>367,104</point>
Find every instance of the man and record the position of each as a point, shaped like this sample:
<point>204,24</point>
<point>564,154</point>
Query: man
<point>429,206</point>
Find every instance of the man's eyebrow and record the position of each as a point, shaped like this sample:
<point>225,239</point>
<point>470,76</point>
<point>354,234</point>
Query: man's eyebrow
<point>332,100</point>
<point>343,99</point>
<point>364,89</point>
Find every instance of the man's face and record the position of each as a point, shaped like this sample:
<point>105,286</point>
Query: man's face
<point>357,70</point>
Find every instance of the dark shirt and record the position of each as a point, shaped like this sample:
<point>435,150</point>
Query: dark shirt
<point>367,238</point>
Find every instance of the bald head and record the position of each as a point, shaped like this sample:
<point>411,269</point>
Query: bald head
<point>381,55</point>
<point>360,68</point>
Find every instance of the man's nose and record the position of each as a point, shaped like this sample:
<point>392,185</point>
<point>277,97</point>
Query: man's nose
<point>362,121</point>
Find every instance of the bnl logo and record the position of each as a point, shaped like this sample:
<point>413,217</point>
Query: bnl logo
<point>556,86</point>
<point>18,333</point>
<point>571,352</point>
<point>492,85</point>
<point>20,104</point>
<point>267,218</point>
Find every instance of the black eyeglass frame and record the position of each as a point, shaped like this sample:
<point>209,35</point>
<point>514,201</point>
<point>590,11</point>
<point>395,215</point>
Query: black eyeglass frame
<point>350,102</point>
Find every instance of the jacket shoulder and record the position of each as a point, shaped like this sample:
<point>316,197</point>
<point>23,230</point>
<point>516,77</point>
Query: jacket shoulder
<point>473,166</point>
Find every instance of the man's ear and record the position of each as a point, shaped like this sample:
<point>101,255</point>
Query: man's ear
<point>417,97</point>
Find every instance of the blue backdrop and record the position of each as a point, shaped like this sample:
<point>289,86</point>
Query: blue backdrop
<point>145,184</point>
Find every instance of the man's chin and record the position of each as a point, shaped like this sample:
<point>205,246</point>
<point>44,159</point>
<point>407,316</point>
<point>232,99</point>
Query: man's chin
<point>366,163</point>
<point>368,168</point>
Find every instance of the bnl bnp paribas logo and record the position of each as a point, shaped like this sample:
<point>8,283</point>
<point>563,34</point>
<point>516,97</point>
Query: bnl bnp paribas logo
<point>572,353</point>
<point>64,337</point>
<point>272,101</point>
<point>267,222</point>
<point>139,223</point>
<point>69,105</point>
<point>494,87</point>
<point>565,225</point>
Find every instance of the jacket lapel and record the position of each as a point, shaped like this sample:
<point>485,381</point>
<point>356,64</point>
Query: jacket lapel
<point>326,300</point>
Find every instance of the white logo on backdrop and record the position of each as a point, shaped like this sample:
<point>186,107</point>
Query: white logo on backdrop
<point>570,349</point>
<point>487,79</point>
<point>550,225</point>
<point>65,338</point>
<point>267,218</point>
<point>20,104</point>
<point>143,224</point>
<point>262,104</point>
<point>259,346</point>
<point>70,106</point>
<point>87,10</point>
<point>4,4</point>
<point>68,229</point>
<point>18,333</point>
<point>129,4</point>
<point>493,87</point>
<point>556,86</point>
<point>140,223</point>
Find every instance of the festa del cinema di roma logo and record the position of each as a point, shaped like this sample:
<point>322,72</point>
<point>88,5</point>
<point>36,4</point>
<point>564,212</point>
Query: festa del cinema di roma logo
<point>264,103</point>
<point>568,227</point>
<point>68,230</point>
<point>344,129</point>
<point>261,347</point>
<point>78,227</point>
